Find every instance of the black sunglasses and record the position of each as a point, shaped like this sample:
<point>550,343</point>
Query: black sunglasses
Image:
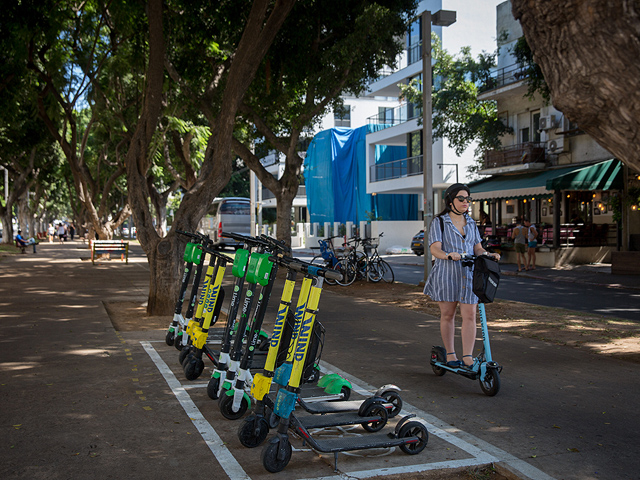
<point>460,198</point>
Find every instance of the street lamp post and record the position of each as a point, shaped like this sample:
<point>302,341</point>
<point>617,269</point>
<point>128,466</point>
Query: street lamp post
<point>442,18</point>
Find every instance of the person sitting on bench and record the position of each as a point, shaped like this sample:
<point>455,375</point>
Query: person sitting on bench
<point>22,243</point>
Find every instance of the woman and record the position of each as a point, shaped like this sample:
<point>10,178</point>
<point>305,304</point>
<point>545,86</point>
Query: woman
<point>454,233</point>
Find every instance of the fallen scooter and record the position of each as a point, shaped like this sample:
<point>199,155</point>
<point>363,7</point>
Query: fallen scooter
<point>484,368</point>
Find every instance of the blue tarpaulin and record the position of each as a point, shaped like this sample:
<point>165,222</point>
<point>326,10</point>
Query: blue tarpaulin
<point>335,179</point>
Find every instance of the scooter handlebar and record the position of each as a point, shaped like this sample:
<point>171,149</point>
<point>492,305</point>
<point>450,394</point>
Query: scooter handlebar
<point>245,239</point>
<point>275,243</point>
<point>210,251</point>
<point>304,267</point>
<point>196,236</point>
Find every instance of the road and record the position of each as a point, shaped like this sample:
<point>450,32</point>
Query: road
<point>615,302</point>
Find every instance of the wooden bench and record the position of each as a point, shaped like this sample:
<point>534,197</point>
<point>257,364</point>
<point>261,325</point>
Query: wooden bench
<point>101,247</point>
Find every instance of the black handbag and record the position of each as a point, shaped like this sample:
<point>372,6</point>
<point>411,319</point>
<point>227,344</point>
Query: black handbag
<point>486,277</point>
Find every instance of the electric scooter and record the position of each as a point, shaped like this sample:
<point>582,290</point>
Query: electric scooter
<point>370,413</point>
<point>213,298</point>
<point>178,319</point>
<point>410,435</point>
<point>484,368</point>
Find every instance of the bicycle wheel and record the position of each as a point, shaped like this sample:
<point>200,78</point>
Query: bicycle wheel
<point>373,272</point>
<point>348,271</point>
<point>321,262</point>
<point>385,271</point>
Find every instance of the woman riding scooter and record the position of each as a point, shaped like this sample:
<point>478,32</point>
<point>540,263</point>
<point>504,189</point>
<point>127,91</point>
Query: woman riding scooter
<point>452,234</point>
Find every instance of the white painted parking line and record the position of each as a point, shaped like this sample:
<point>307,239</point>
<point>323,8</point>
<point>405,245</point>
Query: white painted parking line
<point>480,451</point>
<point>227,461</point>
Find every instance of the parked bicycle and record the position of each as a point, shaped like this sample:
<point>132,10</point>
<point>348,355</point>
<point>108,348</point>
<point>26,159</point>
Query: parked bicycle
<point>363,264</point>
<point>379,269</point>
<point>329,259</point>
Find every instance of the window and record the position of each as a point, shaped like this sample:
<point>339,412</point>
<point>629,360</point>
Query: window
<point>524,135</point>
<point>342,116</point>
<point>535,119</point>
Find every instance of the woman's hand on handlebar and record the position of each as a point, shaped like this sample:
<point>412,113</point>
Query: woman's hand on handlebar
<point>455,256</point>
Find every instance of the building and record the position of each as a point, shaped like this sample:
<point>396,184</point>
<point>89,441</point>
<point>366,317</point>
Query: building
<point>548,169</point>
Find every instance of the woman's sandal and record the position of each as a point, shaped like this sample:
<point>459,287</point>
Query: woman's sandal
<point>454,363</point>
<point>464,364</point>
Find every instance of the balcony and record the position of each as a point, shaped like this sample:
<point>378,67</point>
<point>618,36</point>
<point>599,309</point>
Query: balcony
<point>515,157</point>
<point>395,116</point>
<point>407,167</point>
<point>503,77</point>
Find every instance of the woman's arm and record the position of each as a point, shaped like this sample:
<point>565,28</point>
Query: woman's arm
<point>436,251</point>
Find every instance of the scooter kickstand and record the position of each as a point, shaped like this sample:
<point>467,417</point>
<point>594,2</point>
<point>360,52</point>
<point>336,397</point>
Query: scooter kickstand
<point>335,462</point>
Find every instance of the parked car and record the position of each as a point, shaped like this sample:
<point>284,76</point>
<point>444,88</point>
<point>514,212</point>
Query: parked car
<point>229,214</point>
<point>417,243</point>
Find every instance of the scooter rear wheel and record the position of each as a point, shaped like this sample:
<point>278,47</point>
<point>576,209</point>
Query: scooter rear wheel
<point>490,384</point>
<point>393,398</point>
<point>270,454</point>
<point>376,410</point>
<point>438,355</point>
<point>414,429</point>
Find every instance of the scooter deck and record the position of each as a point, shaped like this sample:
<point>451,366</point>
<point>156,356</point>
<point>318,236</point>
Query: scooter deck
<point>371,440</point>
<point>330,407</point>
<point>321,421</point>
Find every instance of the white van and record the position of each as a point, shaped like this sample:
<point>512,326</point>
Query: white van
<point>229,214</point>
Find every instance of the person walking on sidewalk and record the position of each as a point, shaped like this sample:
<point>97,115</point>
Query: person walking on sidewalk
<point>453,233</point>
<point>532,243</point>
<point>519,236</point>
<point>51,231</point>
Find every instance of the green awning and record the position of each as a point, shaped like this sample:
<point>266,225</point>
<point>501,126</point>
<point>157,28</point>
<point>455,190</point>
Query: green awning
<point>601,176</point>
<point>517,186</point>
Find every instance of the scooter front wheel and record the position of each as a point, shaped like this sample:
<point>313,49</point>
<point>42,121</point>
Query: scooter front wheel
<point>275,458</point>
<point>226,404</point>
<point>414,429</point>
<point>253,431</point>
<point>169,338</point>
<point>193,367</point>
<point>212,388</point>
<point>490,384</point>
<point>183,354</point>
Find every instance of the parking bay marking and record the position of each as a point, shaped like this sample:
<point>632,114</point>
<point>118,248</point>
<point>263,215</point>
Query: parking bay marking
<point>480,456</point>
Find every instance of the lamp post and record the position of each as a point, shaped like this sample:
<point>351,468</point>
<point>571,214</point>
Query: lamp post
<point>442,18</point>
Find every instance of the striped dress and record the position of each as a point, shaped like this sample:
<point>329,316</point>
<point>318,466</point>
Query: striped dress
<point>449,281</point>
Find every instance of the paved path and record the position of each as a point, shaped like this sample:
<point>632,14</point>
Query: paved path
<point>84,401</point>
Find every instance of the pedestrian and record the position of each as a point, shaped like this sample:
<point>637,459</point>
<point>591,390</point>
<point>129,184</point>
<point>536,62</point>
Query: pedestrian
<point>532,239</point>
<point>519,237</point>
<point>453,233</point>
<point>61,232</point>
<point>51,231</point>
<point>21,242</point>
<point>72,231</point>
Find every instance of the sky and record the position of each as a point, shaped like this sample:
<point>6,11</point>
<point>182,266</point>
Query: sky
<point>475,27</point>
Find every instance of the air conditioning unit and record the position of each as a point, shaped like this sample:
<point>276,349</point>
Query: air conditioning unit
<point>558,145</point>
<point>547,122</point>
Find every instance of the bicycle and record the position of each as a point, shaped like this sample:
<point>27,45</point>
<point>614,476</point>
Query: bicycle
<point>328,259</point>
<point>379,269</point>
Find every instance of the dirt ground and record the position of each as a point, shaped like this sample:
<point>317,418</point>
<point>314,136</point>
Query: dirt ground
<point>596,334</point>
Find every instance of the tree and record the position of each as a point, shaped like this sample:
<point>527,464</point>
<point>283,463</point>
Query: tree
<point>213,64</point>
<point>459,116</point>
<point>317,56</point>
<point>586,51</point>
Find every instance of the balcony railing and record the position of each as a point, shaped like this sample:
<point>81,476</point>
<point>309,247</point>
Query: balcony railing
<point>406,167</point>
<point>411,56</point>
<point>515,155</point>
<point>503,77</point>
<point>395,116</point>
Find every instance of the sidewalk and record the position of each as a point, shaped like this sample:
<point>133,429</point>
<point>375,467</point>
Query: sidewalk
<point>84,401</point>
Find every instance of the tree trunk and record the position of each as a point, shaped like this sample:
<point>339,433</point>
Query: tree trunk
<point>587,51</point>
<point>284,199</point>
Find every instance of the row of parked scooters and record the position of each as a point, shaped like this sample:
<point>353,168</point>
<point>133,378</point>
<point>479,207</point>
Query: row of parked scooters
<point>287,360</point>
